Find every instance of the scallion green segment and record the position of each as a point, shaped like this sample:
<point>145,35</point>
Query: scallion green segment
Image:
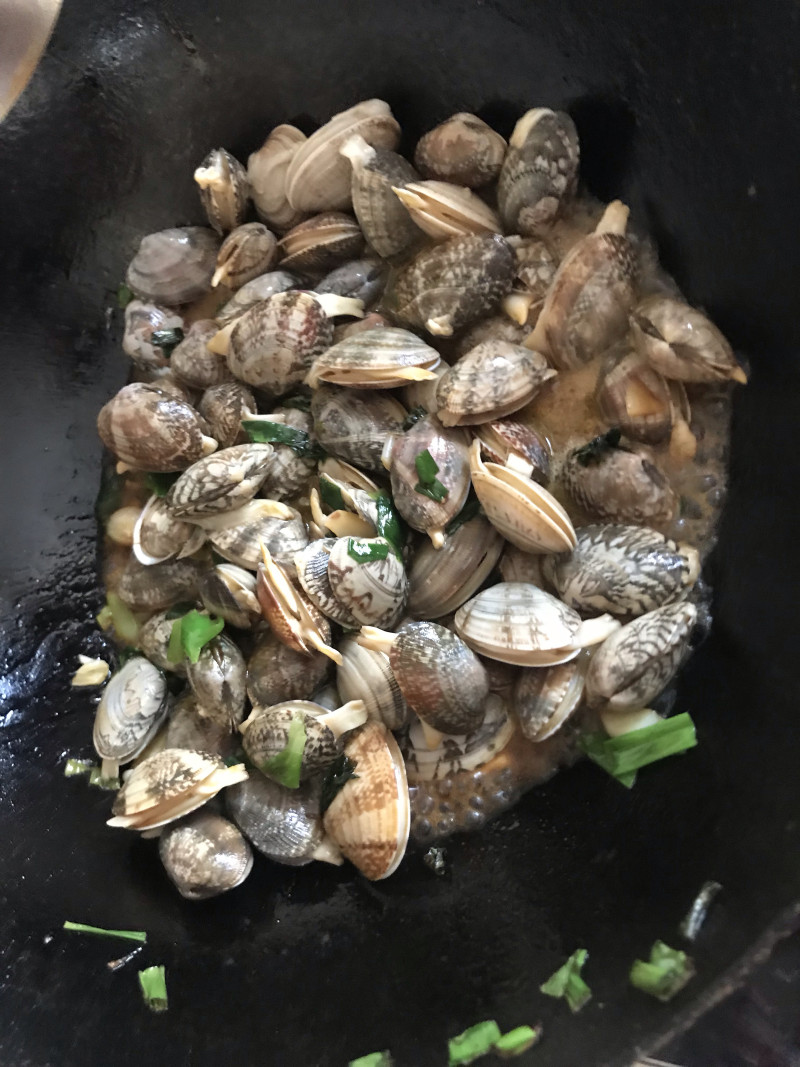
<point>78,766</point>
<point>167,340</point>
<point>471,509</point>
<point>190,634</point>
<point>284,767</point>
<point>567,982</point>
<point>124,296</point>
<point>664,974</point>
<point>427,467</point>
<point>374,1059</point>
<point>367,551</point>
<point>100,781</point>
<point>622,756</point>
<point>414,416</point>
<point>126,935</point>
<point>264,431</point>
<point>517,1041</point>
<point>330,494</point>
<point>153,983</point>
<point>475,1042</point>
<point>336,775</point>
<point>434,490</point>
<point>116,613</point>
<point>387,521</point>
<point>161,483</point>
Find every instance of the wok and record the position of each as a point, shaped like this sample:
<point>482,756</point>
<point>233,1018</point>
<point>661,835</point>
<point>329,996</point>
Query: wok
<point>686,111</point>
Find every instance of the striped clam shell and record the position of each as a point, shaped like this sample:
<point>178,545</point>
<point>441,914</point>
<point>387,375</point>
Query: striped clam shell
<point>373,591</point>
<point>354,424</point>
<point>459,752</point>
<point>279,528</point>
<point>224,189</point>
<point>283,824</point>
<point>494,379</point>
<point>230,592</point>
<point>381,358</point>
<point>440,580</point>
<point>217,680</point>
<point>131,709</point>
<point>276,672</point>
<point>245,254</point>
<point>312,564</point>
<point>192,361</point>
<point>365,674</point>
<point>223,407</point>
<point>384,220</point>
<point>318,244</point>
<point>545,697</point>
<point>444,210</point>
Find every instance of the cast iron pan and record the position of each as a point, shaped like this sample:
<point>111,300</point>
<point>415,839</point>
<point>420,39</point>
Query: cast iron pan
<point>686,111</point>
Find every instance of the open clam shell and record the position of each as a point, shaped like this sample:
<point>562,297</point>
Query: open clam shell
<point>246,253</point>
<point>459,752</point>
<point>222,482</point>
<point>494,379</point>
<point>312,564</point>
<point>293,617</point>
<point>365,674</point>
<point>224,189</point>
<point>441,580</point>
<point>223,407</point>
<point>370,816</point>
<point>266,173</point>
<point>633,396</point>
<point>131,709</point>
<point>518,445</point>
<point>545,697</point>
<point>321,243</point>
<point>239,535</point>
<point>204,855</point>
<point>443,210</point>
<point>381,358</point>
<point>159,535</point>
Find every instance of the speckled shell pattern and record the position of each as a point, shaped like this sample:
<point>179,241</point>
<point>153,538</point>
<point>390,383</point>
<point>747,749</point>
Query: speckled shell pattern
<point>625,570</point>
<point>241,543</point>
<point>223,407</point>
<point>287,473</point>
<point>634,664</point>
<point>154,635</point>
<point>160,586</point>
<point>440,677</point>
<point>266,733</point>
<point>321,243</point>
<point>283,824</point>
<point>367,359</point>
<point>448,446</point>
<point>382,217</point>
<point>151,430</point>
<point>273,345</point>
<point>462,149</point>
<point>365,674</point>
<point>312,566</point>
<point>218,681</point>
<point>193,363</point>
<point>494,379</point>
<point>620,486</point>
<point>353,424</point>
<point>133,705</point>
<point>373,591</point>
<point>229,591</point>
<point>225,200</point>
<point>223,481</point>
<point>253,292</point>
<point>538,174</point>
<point>454,283</point>
<point>276,672</point>
<point>630,372</point>
<point>161,533</point>
<point>545,697</point>
<point>204,855</point>
<point>186,728</point>
<point>510,619</point>
<point>463,752</point>
<point>141,321</point>
<point>681,342</point>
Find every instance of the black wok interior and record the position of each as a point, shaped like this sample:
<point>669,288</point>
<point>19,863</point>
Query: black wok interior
<point>687,111</point>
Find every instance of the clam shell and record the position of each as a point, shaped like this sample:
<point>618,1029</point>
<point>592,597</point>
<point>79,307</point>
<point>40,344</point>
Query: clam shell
<point>459,752</point>
<point>373,591</point>
<point>311,564</point>
<point>443,210</point>
<point>321,243</point>
<point>186,728</point>
<point>283,824</point>
<point>160,586</point>
<point>354,424</point>
<point>174,266</point>
<point>223,407</point>
<point>490,328</point>
<point>441,580</point>
<point>293,617</point>
<point>153,639</point>
<point>193,363</point>
<point>288,473</point>
<point>265,733</point>
<point>318,177</point>
<point>633,396</point>
<point>224,189</point>
<point>518,566</point>
<point>370,816</point>
<point>380,358</point>
<point>131,709</point>
<point>217,680</point>
<point>508,443</point>
<point>365,674</point>
<point>634,664</point>
<point>230,592</point>
<point>273,345</point>
<point>253,292</point>
<point>494,379</point>
<point>246,253</point>
<point>462,149</point>
<point>377,172</point>
<point>266,173</point>
<point>545,697</point>
<point>151,430</point>
<point>359,279</point>
<point>141,321</point>
<point>158,535</point>
<point>682,343</point>
<point>223,481</point>
<point>204,855</point>
<point>268,523</point>
<point>625,570</point>
<point>524,512</point>
<point>619,485</point>
<point>276,672</point>
<point>539,171</point>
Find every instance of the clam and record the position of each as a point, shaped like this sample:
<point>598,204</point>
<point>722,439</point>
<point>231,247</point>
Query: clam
<point>230,592</point>
<point>311,564</point>
<point>372,320</point>
<point>354,510</point>
<point>368,578</point>
<point>187,728</point>
<point>438,674</point>
<point>462,149</point>
<point>633,396</point>
<point>370,816</point>
<point>131,709</point>
<point>377,174</point>
<point>459,752</point>
<point>223,481</point>
<point>248,252</point>
<point>490,328</point>
<point>494,379</point>
<point>453,284</point>
<point>524,512</point>
<point>359,279</point>
<point>273,345</point>
<point>284,824</point>
<point>423,394</point>
<point>142,320</point>
<point>328,697</point>
<point>266,173</point>
<point>518,446</point>
<point>193,363</point>
<point>261,288</point>
<point>443,210</point>
<point>204,855</point>
<point>321,243</point>
<point>540,170</point>
<point>158,587</point>
<point>518,566</point>
<point>318,177</point>
<point>293,617</point>
<point>276,672</point>
<point>173,266</point>
<point>545,697</point>
<point>158,535</point>
<point>217,680</point>
<point>682,343</point>
<point>223,407</point>
<point>441,580</point>
<point>290,468</point>
<point>150,430</point>
<point>170,784</point>
<point>625,570</point>
<point>634,664</point>
<point>516,622</point>
<point>265,733</point>
<point>224,190</point>
<point>153,640</point>
<point>365,674</point>
<point>618,484</point>
<point>587,305</point>
<point>381,358</point>
<point>354,424</point>
<point>429,505</point>
<point>536,269</point>
<point>238,535</point>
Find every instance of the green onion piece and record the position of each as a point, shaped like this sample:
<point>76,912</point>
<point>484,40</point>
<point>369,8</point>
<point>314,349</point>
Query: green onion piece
<point>666,973</point>
<point>160,483</point>
<point>100,781</point>
<point>475,1042</point>
<point>336,775</point>
<point>414,416</point>
<point>167,340</point>
<point>427,467</point>
<point>367,551</point>
<point>471,509</point>
<point>153,984</point>
<point>435,490</point>
<point>387,521</point>
<point>330,494</point>
<point>77,766</point>
<point>284,767</point>
<point>126,935</point>
<point>300,402</point>
<point>621,756</point>
<point>567,982</point>
<point>124,296</point>
<point>190,634</point>
<point>517,1041</point>
<point>373,1059</point>
<point>262,431</point>
<point>116,613</point>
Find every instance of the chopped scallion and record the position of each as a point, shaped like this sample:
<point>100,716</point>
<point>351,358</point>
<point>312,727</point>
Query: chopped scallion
<point>330,494</point>
<point>101,781</point>
<point>116,613</point>
<point>190,634</point>
<point>567,982</point>
<point>263,431</point>
<point>153,984</point>
<point>471,509</point>
<point>160,483</point>
<point>517,1041</point>
<point>665,974</point>
<point>475,1042</point>
<point>167,340</point>
<point>427,467</point>
<point>126,935</point>
<point>367,551</point>
<point>434,490</point>
<point>336,775</point>
<point>284,767</point>
<point>77,766</point>
<point>124,296</point>
<point>387,521</point>
<point>622,756</point>
<point>373,1059</point>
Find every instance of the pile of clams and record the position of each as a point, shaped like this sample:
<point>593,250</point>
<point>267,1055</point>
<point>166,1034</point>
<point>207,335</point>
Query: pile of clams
<point>436,451</point>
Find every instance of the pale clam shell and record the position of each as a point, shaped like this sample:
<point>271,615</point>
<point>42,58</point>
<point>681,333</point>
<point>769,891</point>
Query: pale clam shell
<point>365,674</point>
<point>224,189</point>
<point>311,564</point>
<point>374,591</point>
<point>283,824</point>
<point>539,170</point>
<point>158,534</point>
<point>193,363</point>
<point>217,680</point>
<point>204,855</point>
<point>443,210</point>
<point>222,482</point>
<point>266,173</point>
<point>282,532</point>
<point>174,266</point>
<point>441,580</point>
<point>381,358</point>
<point>545,697</point>
<point>370,816</point>
<point>494,379</point>
<point>131,709</point>
<point>459,752</point>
